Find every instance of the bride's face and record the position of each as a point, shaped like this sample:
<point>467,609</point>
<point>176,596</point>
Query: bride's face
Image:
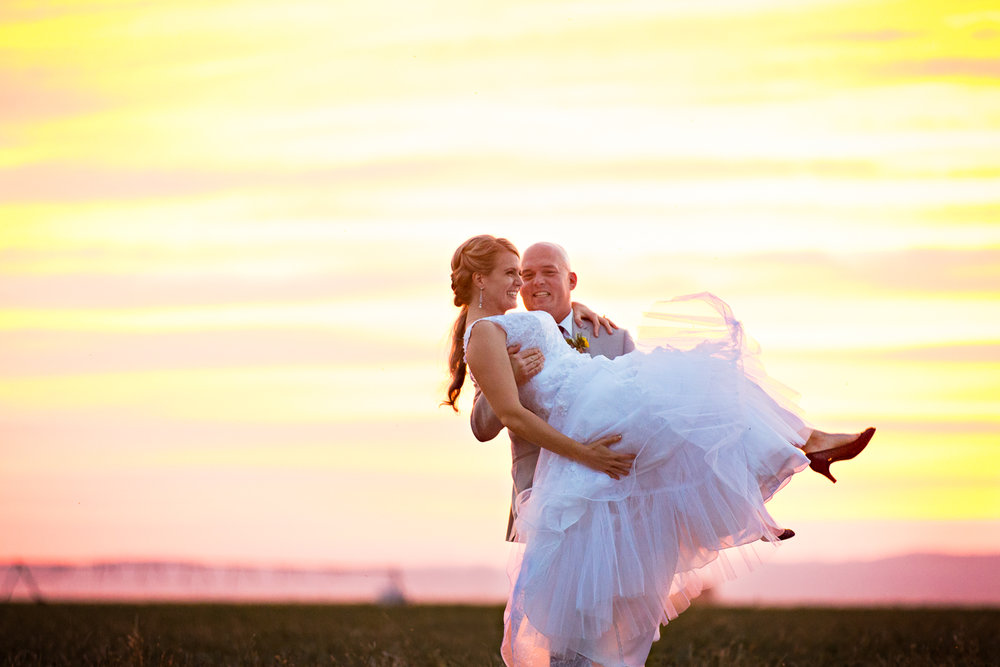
<point>501,285</point>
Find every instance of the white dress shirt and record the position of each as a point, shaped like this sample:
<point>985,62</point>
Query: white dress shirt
<point>567,324</point>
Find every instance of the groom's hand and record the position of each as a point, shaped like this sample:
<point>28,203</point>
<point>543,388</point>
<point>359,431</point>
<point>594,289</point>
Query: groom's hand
<point>602,459</point>
<point>526,364</point>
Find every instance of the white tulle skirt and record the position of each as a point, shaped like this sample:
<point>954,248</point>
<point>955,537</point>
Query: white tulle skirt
<point>603,563</point>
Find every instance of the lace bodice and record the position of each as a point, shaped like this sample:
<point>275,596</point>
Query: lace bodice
<point>538,329</point>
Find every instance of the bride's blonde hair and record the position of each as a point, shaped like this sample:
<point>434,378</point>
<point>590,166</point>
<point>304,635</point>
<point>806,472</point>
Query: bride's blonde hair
<point>477,255</point>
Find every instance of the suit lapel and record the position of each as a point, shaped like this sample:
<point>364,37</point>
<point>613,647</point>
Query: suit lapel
<point>588,332</point>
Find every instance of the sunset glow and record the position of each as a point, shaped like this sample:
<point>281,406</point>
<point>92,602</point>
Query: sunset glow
<point>225,230</point>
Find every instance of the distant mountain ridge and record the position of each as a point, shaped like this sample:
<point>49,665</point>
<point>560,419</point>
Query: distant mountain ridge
<point>910,579</point>
<point>916,579</point>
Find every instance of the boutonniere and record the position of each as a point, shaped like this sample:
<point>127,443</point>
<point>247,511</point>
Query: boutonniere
<point>578,343</point>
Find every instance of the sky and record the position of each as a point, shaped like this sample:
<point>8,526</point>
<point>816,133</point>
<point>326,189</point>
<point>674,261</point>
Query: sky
<point>225,229</point>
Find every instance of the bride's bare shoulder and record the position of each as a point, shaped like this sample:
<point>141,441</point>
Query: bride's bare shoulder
<point>492,329</point>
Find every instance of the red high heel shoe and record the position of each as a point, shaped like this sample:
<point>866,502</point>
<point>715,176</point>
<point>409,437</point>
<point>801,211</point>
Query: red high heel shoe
<point>820,461</point>
<point>786,533</point>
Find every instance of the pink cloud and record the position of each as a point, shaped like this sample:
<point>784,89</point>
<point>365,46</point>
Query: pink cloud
<point>51,182</point>
<point>883,35</point>
<point>55,182</point>
<point>946,67</point>
<point>55,353</point>
<point>34,95</point>
<point>109,430</point>
<point>928,270</point>
<point>78,288</point>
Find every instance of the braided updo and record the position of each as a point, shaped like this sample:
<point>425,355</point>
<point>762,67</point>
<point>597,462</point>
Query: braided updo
<point>477,255</point>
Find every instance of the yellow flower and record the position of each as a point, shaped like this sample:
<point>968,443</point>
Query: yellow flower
<point>579,343</point>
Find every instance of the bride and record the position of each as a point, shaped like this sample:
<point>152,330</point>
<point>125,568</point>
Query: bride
<point>652,464</point>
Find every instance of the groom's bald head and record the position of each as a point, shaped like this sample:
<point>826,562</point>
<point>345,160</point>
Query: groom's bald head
<point>548,279</point>
<point>551,250</point>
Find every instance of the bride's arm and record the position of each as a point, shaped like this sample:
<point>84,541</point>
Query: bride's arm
<point>582,312</point>
<point>525,364</point>
<point>488,360</point>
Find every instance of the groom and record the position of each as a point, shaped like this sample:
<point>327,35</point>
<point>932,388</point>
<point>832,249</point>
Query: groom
<point>548,282</point>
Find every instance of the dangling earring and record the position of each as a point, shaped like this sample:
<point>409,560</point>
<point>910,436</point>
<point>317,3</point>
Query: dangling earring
<point>480,298</point>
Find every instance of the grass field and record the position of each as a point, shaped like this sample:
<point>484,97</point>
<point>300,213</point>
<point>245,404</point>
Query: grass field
<point>65,634</point>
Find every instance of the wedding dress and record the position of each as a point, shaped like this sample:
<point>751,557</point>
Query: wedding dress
<point>603,563</point>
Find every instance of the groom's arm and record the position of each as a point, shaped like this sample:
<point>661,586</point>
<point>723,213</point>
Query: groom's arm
<point>485,423</point>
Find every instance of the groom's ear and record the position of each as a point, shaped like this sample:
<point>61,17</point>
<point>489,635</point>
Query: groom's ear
<point>572,279</point>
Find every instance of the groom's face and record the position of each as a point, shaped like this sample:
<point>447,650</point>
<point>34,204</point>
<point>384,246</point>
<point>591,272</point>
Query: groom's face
<point>547,281</point>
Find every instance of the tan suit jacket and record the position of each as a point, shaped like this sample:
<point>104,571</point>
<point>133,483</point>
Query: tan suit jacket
<point>524,455</point>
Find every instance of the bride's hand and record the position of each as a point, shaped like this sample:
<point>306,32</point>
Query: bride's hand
<point>581,313</point>
<point>598,456</point>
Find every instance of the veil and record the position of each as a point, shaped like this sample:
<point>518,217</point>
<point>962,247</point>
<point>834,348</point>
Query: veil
<point>704,322</point>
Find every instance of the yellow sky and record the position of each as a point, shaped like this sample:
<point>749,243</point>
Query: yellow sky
<point>225,228</point>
